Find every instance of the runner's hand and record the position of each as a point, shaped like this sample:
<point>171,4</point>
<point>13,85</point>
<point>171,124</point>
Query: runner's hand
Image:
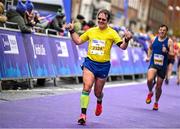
<point>69,26</point>
<point>128,34</point>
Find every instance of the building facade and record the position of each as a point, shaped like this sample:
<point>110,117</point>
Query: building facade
<point>138,15</point>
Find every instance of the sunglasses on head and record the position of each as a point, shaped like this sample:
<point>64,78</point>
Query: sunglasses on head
<point>102,19</point>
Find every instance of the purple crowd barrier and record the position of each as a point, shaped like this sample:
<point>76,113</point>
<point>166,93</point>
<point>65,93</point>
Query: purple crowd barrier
<point>138,58</point>
<point>80,52</point>
<point>41,56</point>
<point>116,61</point>
<point>13,58</point>
<point>63,56</point>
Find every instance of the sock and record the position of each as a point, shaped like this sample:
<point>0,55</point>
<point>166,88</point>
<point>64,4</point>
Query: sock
<point>84,101</point>
<point>83,110</point>
<point>99,100</point>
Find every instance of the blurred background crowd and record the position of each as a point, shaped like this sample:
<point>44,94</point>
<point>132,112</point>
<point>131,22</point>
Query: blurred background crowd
<point>142,17</point>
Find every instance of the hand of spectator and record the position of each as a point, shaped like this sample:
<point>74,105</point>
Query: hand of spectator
<point>3,18</point>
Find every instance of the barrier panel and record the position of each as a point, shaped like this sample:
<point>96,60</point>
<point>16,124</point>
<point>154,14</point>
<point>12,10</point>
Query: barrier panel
<point>143,59</point>
<point>128,62</point>
<point>13,58</point>
<point>138,63</point>
<point>116,61</point>
<point>44,56</point>
<point>125,56</point>
<point>63,56</point>
<point>39,56</point>
<point>80,52</point>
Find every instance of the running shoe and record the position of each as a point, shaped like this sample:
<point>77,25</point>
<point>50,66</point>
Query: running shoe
<point>98,109</point>
<point>82,119</point>
<point>148,99</point>
<point>155,107</point>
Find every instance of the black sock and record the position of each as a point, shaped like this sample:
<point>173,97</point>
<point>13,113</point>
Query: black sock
<point>99,102</point>
<point>83,110</point>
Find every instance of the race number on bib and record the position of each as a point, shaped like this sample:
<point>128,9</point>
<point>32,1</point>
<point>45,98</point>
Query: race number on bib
<point>98,47</point>
<point>158,59</point>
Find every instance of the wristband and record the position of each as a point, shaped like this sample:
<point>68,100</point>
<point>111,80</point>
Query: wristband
<point>72,31</point>
<point>126,40</point>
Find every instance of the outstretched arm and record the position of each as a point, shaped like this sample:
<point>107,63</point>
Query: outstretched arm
<point>171,48</point>
<point>75,37</point>
<point>149,53</point>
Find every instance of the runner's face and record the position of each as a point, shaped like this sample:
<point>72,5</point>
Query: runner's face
<point>162,32</point>
<point>102,21</point>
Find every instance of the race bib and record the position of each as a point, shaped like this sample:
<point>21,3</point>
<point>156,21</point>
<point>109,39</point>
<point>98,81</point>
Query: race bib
<point>98,47</point>
<point>158,59</point>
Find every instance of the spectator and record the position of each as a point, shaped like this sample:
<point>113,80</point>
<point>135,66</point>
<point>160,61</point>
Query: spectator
<point>33,17</point>
<point>18,16</point>
<point>78,25</point>
<point>3,18</point>
<point>40,21</point>
<point>58,22</point>
<point>91,24</point>
<point>29,6</point>
<point>29,13</point>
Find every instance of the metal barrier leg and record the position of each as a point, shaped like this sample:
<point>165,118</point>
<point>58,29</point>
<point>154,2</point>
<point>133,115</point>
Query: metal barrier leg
<point>133,77</point>
<point>31,84</point>
<point>122,78</point>
<point>109,79</point>
<point>55,81</point>
<point>77,80</point>
<point>144,75</point>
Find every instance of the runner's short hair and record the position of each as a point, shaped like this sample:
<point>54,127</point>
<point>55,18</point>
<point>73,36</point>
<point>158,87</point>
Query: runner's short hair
<point>163,25</point>
<point>106,12</point>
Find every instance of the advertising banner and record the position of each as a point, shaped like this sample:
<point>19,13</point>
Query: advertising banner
<point>39,56</point>
<point>137,55</point>
<point>80,53</point>
<point>126,59</point>
<point>63,56</point>
<point>116,63</point>
<point>143,56</point>
<point>12,56</point>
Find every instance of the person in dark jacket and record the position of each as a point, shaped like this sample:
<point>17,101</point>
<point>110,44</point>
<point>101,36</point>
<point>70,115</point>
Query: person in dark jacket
<point>58,22</point>
<point>18,16</point>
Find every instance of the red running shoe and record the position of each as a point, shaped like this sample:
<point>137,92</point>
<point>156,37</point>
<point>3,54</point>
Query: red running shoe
<point>148,99</point>
<point>155,107</point>
<point>82,119</point>
<point>98,109</point>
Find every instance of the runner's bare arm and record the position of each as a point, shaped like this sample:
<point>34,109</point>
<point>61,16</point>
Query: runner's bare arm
<point>149,53</point>
<point>171,49</point>
<point>75,37</point>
